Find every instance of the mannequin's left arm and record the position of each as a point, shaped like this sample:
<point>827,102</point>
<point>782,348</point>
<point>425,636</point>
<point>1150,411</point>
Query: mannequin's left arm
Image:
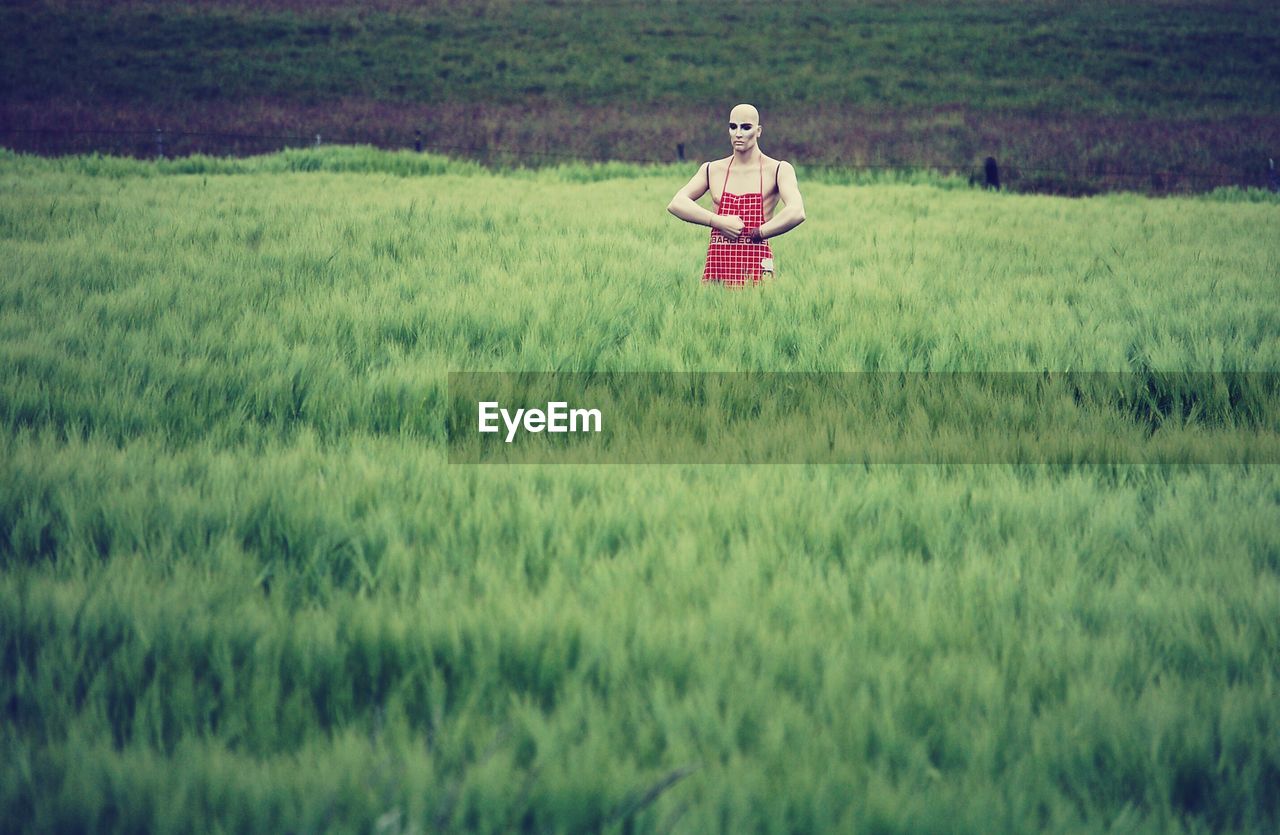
<point>791,216</point>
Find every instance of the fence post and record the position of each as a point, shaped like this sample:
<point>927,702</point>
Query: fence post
<point>680,151</point>
<point>159,143</point>
<point>1273,179</point>
<point>317,140</point>
<point>992,173</point>
<point>417,141</point>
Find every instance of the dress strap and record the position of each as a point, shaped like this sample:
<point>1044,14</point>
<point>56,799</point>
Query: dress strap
<point>726,179</point>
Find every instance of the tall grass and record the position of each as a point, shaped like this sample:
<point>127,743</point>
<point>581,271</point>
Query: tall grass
<point>243,590</point>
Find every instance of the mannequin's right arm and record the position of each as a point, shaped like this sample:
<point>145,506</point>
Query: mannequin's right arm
<point>684,207</point>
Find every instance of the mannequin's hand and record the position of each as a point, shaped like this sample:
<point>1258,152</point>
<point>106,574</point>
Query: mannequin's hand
<point>730,226</point>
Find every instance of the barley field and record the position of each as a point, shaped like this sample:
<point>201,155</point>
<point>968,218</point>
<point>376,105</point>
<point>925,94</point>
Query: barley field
<point>244,589</point>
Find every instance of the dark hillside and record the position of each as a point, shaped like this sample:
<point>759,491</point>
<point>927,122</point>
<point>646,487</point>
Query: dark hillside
<point>1151,95</point>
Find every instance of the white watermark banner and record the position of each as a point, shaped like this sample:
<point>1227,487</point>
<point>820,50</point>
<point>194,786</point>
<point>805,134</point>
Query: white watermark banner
<point>864,417</point>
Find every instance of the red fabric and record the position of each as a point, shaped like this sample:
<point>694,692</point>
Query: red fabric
<point>733,263</point>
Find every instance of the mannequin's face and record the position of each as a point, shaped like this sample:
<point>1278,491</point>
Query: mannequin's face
<point>744,128</point>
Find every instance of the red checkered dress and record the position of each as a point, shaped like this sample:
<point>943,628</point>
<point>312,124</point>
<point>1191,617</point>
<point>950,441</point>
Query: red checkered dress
<point>733,263</point>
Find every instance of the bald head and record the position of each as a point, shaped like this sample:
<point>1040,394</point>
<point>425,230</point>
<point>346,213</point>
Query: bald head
<point>745,113</point>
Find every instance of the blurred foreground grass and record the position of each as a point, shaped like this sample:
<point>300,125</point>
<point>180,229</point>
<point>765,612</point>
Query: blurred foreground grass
<point>243,590</point>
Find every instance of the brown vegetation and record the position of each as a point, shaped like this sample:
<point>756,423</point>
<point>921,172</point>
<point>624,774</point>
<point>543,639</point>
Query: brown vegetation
<point>1067,153</point>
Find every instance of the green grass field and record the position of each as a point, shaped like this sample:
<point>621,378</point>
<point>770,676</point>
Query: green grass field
<point>243,590</point>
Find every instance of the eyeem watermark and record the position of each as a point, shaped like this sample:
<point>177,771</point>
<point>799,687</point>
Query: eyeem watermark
<point>881,417</point>
<point>557,417</point>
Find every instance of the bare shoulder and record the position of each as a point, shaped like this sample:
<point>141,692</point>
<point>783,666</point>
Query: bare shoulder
<point>786,173</point>
<point>774,165</point>
<point>775,170</point>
